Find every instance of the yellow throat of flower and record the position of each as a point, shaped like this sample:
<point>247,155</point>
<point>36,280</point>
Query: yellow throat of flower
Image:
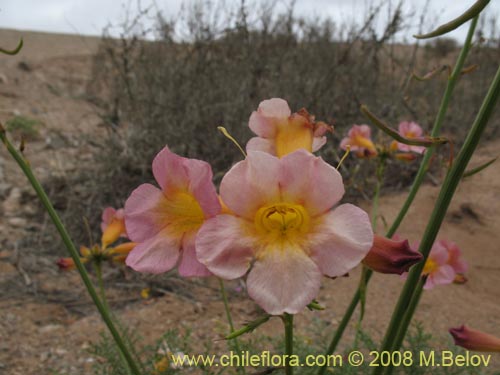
<point>182,212</point>
<point>430,267</point>
<point>281,222</point>
<point>293,134</point>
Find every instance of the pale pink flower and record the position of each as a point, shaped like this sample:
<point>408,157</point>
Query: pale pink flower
<point>438,269</point>
<point>472,339</point>
<point>279,132</point>
<point>164,222</point>
<point>444,265</point>
<point>410,130</point>
<point>360,142</point>
<point>282,228</point>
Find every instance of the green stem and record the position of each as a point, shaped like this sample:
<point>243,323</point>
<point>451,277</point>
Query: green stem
<point>445,195</point>
<point>288,323</point>
<point>376,194</point>
<point>100,282</point>
<point>407,319</point>
<point>417,182</point>
<point>230,320</point>
<point>106,317</point>
<point>102,292</point>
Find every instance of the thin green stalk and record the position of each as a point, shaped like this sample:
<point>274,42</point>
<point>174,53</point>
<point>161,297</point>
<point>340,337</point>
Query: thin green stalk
<point>376,195</point>
<point>106,317</point>
<point>288,323</point>
<point>230,320</point>
<point>102,291</point>
<point>407,319</point>
<point>445,195</point>
<point>417,182</point>
<point>100,282</point>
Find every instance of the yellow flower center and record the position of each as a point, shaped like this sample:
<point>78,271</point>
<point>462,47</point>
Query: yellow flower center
<point>410,135</point>
<point>293,134</point>
<point>182,212</point>
<point>280,221</point>
<point>430,267</point>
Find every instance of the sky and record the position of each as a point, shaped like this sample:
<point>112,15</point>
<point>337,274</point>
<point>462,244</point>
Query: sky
<point>89,17</point>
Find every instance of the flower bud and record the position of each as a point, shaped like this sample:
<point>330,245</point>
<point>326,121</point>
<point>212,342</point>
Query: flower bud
<point>472,339</point>
<point>66,264</point>
<point>389,256</point>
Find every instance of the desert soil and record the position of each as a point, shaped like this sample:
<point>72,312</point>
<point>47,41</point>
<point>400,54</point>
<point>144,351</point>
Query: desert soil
<point>48,323</point>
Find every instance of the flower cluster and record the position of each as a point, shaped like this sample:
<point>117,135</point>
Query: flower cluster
<point>276,221</point>
<point>113,227</point>
<point>359,141</point>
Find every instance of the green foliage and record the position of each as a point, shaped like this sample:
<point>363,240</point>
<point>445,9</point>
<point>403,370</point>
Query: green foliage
<point>113,362</point>
<point>23,127</point>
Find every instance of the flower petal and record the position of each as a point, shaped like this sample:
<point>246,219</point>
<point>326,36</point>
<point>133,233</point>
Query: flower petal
<point>439,253</point>
<point>251,184</point>
<point>189,266</point>
<point>442,276</point>
<point>201,186</point>
<point>310,181</point>
<point>341,240</point>
<point>224,246</point>
<point>169,171</point>
<point>144,216</point>
<point>107,215</point>
<point>284,280</point>
<point>318,142</point>
<point>261,144</point>
<point>262,126</point>
<point>156,255</point>
<point>275,107</point>
<point>455,256</point>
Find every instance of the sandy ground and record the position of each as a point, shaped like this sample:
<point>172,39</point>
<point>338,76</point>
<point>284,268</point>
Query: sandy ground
<point>47,321</point>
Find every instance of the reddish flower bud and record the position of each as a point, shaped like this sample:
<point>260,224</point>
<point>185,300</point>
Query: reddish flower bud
<point>472,339</point>
<point>65,264</point>
<point>68,264</point>
<point>389,256</point>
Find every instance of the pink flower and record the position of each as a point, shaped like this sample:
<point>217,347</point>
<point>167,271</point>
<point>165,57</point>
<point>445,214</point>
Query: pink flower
<point>391,256</point>
<point>279,132</point>
<point>164,222</point>
<point>410,130</point>
<point>359,140</point>
<point>473,339</point>
<point>443,264</point>
<point>112,225</point>
<point>283,229</point>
